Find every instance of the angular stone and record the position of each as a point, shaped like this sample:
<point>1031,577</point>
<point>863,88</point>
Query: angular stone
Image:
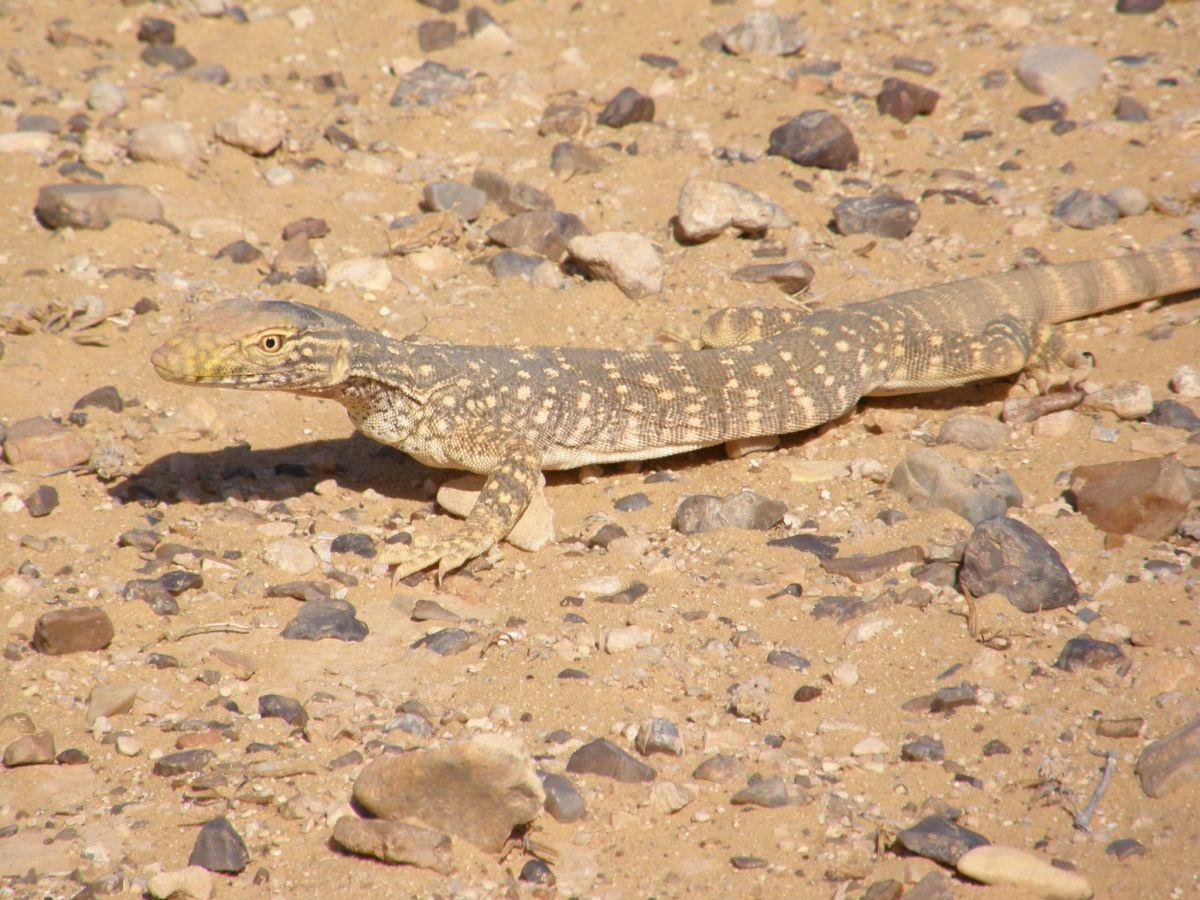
<point>1148,498</point>
<point>1007,557</point>
<point>42,502</point>
<point>973,432</point>
<point>881,215</point>
<point>322,618</point>
<point>1171,762</point>
<point>1088,653</point>
<point>395,842</point>
<point>449,196</point>
<point>861,569</point>
<point>547,232</point>
<point>219,848</point>
<point>477,790</point>
<point>106,397</point>
<point>764,33</point>
<point>74,630</point>
<point>717,769</point>
<point>769,793</point>
<point>30,750</point>
<point>436,34</point>
<point>699,513</point>
<point>626,108</point>
<point>927,476</point>
<point>194,760</point>
<point>659,735</point>
<point>276,706</point>
<point>447,641</point>
<point>191,883</point>
<point>165,143</point>
<point>940,839</point>
<point>239,253</point>
<point>602,757</point>
<point>904,100</point>
<point>751,699</point>
<point>792,277</point>
<point>256,129</point>
<point>923,749</point>
<point>511,196</point>
<point>110,700</point>
<point>706,208</point>
<point>1017,868</point>
<point>1129,109</point>
<point>95,206</point>
<point>1085,209</point>
<point>568,159</point>
<point>429,84</point>
<point>785,659</point>
<point>45,442</point>
<point>815,138</point>
<point>629,260</point>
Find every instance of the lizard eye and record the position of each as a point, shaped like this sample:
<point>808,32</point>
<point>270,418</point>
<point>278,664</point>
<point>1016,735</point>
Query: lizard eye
<point>271,343</point>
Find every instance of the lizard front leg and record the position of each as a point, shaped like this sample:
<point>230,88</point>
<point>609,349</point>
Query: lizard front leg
<point>511,481</point>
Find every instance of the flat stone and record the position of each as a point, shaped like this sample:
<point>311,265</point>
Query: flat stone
<point>570,120</point>
<point>184,761</point>
<point>699,513</point>
<point>626,108</point>
<point>165,143</point>
<point>764,33</point>
<point>940,839</point>
<point>568,159</point>
<point>1060,70</point>
<point>1169,763</point>
<point>815,138</point>
<point>904,100</point>
<point>563,801</point>
<point>923,749</point>
<point>256,129</point>
<point>450,196</point>
<point>792,277</point>
<point>629,260</point>
<point>276,706</point>
<point>861,569</point>
<point>717,768</point>
<point>106,98</point>
<point>511,196</point>
<point>75,630</point>
<point>395,842</point>
<point>546,232</point>
<point>820,546</point>
<point>1088,653</point>
<point>880,215</point>
<point>602,757</point>
<point>291,555</point>
<point>769,793</point>
<point>973,432</point>
<point>928,477</point>
<point>447,641</point>
<point>322,618</point>
<point>219,848</point>
<point>1147,497</point>
<point>1085,209</point>
<point>429,84</point>
<point>95,206</point>
<point>311,227</point>
<point>44,441</point>
<point>436,34</point>
<point>707,208</point>
<point>178,58</point>
<point>477,790</point>
<point>30,750</point>
<point>106,397</point>
<point>1017,868</point>
<point>1007,557</point>
<point>785,659</point>
<point>239,253</point>
<point>110,700</point>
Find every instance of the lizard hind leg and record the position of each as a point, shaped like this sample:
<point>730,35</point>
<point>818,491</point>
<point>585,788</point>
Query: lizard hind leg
<point>1053,364</point>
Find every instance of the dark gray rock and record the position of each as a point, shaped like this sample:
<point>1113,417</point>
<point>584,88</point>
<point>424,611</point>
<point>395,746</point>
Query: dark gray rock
<point>1008,557</point>
<point>354,542</point>
<point>820,546</point>
<point>1088,653</point>
<point>923,749</point>
<point>42,502</point>
<point>178,58</point>
<point>602,757</point>
<point>940,839</point>
<point>239,253</point>
<point>626,108</point>
<point>631,502</point>
<point>511,264</point>
<point>659,735</point>
<point>544,231</point>
<point>152,30</point>
<point>1173,414</point>
<point>219,848</point>
<point>881,215</point>
<point>442,6</point>
<point>1139,7</point>
<point>815,138</point>
<point>785,659</point>
<point>447,641</point>
<point>1128,109</point>
<point>152,592</point>
<point>1054,111</point>
<point>769,793</point>
<point>325,618</point>
<point>1085,209</point>
<point>563,801</point>
<point>276,706</point>
<point>184,761</point>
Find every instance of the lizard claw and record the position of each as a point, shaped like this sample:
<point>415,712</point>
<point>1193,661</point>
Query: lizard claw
<point>409,560</point>
<point>448,555</point>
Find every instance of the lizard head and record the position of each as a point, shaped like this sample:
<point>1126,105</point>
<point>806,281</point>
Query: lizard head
<point>265,345</point>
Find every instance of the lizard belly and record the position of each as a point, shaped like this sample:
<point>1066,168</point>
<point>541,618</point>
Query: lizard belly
<point>573,457</point>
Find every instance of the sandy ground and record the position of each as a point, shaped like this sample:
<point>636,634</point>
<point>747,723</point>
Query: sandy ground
<point>707,607</point>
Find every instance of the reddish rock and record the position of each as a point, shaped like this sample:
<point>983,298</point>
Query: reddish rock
<point>72,631</point>
<point>1144,497</point>
<point>41,440</point>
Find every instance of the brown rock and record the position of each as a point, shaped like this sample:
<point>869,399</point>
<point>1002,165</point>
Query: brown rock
<point>904,100</point>
<point>30,750</point>
<point>41,440</point>
<point>860,569</point>
<point>1171,762</point>
<point>478,790</point>
<point>1144,497</point>
<point>395,842</point>
<point>72,631</point>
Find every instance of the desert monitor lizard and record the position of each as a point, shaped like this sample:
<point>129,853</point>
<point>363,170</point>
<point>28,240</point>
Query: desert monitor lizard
<point>510,413</point>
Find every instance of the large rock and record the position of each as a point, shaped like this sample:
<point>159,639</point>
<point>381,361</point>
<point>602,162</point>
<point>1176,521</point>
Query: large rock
<point>94,206</point>
<point>45,442</point>
<point>928,477</point>
<point>1059,70</point>
<point>815,138</point>
<point>631,261</point>
<point>1171,762</point>
<point>165,143</point>
<point>1032,875</point>
<point>257,129</point>
<point>1008,557</point>
<point>395,842</point>
<point>73,630</point>
<point>1143,497</point>
<point>477,790</point>
<point>707,208</point>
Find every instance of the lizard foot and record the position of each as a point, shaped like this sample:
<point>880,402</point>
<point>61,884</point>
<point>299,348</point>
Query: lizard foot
<point>448,554</point>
